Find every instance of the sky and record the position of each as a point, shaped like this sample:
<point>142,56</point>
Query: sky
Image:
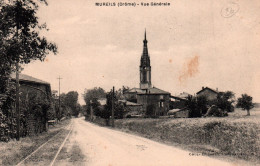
<point>191,44</point>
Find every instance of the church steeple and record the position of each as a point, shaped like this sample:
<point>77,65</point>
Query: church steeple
<point>145,68</point>
<point>145,59</point>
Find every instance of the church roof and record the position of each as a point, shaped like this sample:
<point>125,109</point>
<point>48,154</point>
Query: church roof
<point>27,78</point>
<point>153,90</point>
<point>134,90</point>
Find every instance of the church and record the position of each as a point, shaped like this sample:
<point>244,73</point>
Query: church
<point>154,101</point>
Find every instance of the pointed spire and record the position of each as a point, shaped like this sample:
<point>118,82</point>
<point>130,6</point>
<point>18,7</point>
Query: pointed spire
<point>145,60</point>
<point>145,34</point>
<point>145,41</point>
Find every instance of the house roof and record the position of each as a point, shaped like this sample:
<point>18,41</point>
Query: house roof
<point>207,88</point>
<point>184,95</point>
<point>27,78</point>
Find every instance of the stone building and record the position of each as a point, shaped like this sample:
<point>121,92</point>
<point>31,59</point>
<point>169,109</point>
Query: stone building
<point>34,119</point>
<point>154,100</point>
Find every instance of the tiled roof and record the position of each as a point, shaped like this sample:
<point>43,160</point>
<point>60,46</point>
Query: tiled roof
<point>26,78</point>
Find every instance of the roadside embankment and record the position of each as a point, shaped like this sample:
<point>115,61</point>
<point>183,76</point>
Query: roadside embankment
<point>209,136</point>
<point>234,138</point>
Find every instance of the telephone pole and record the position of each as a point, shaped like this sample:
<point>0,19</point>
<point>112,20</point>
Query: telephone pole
<point>17,102</point>
<point>17,98</point>
<point>59,98</point>
<point>112,117</point>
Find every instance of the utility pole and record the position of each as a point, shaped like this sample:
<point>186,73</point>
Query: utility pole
<point>59,98</point>
<point>112,117</point>
<point>91,111</point>
<point>17,102</point>
<point>17,99</point>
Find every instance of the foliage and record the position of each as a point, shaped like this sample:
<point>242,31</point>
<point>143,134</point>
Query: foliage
<point>93,95</point>
<point>193,106</point>
<point>199,106</point>
<point>37,105</point>
<point>202,105</point>
<point>118,108</point>
<point>216,112</point>
<point>225,101</point>
<point>245,102</point>
<point>71,100</point>
<point>20,42</point>
<point>69,104</point>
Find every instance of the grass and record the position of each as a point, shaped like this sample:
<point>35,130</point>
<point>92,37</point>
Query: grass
<point>237,135</point>
<point>14,151</point>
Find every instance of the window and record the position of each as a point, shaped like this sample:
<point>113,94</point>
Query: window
<point>161,104</point>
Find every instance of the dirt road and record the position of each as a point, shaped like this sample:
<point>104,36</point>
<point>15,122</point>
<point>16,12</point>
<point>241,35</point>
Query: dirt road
<point>106,147</point>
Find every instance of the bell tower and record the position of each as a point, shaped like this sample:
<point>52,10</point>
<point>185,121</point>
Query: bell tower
<point>145,67</point>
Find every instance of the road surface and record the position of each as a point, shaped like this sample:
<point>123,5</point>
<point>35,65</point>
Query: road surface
<point>106,147</point>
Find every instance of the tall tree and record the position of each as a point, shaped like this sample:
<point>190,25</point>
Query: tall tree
<point>71,100</point>
<point>246,103</point>
<point>20,42</point>
<point>225,101</point>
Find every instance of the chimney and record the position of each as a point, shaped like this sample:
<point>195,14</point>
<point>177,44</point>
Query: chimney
<point>217,89</point>
<point>203,87</point>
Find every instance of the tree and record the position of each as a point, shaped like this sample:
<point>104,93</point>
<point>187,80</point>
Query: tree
<point>225,101</point>
<point>197,106</point>
<point>93,95</point>
<point>20,43</point>
<point>245,102</point>
<point>71,100</point>
<point>118,108</point>
<point>192,105</point>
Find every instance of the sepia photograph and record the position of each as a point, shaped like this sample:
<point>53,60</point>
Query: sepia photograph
<point>129,83</point>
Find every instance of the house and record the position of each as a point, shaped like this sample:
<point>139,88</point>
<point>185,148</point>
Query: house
<point>179,101</point>
<point>154,101</point>
<point>131,108</point>
<point>209,93</point>
<point>35,119</point>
